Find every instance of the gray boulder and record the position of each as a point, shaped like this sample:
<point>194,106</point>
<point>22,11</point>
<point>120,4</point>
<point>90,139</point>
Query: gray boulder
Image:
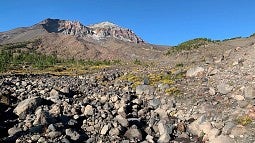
<point>28,104</point>
<point>145,89</point>
<point>249,92</point>
<point>42,117</point>
<point>133,133</point>
<point>105,129</point>
<point>12,131</point>
<point>73,134</point>
<point>196,71</point>
<point>88,110</point>
<point>122,121</point>
<point>224,88</point>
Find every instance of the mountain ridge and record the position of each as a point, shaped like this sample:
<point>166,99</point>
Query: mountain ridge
<point>72,39</point>
<point>96,31</point>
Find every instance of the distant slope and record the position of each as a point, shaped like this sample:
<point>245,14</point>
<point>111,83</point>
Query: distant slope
<point>69,39</point>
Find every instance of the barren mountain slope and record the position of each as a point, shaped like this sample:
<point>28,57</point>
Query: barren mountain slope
<point>69,39</point>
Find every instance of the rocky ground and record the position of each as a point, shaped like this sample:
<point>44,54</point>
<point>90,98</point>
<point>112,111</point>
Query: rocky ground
<point>103,108</point>
<point>208,100</point>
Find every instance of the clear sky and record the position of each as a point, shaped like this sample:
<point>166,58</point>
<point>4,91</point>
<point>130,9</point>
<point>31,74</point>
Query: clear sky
<point>166,22</point>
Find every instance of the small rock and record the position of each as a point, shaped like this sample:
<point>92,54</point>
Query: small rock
<point>114,132</point>
<point>54,96</point>
<point>54,134</point>
<point>51,127</point>
<point>145,89</point>
<point>114,99</point>
<point>194,126</point>
<point>73,134</point>
<point>104,129</point>
<point>103,99</point>
<point>133,133</point>
<point>235,63</point>
<point>162,113</point>
<point>211,91</point>
<point>218,59</point>
<point>148,130</point>
<point>238,97</point>
<point>227,53</point>
<point>23,83</point>
<point>41,140</point>
<point>249,93</point>
<point>165,138</point>
<point>35,137</point>
<point>55,110</point>
<point>154,103</point>
<point>65,90</point>
<point>88,110</point>
<point>76,117</point>
<point>72,122</point>
<point>146,81</point>
<point>42,117</point>
<point>122,121</point>
<point>181,127</point>
<point>163,87</point>
<point>224,88</point>
<point>196,71</point>
<point>122,112</point>
<point>126,89</point>
<point>149,138</point>
<point>211,71</point>
<point>163,128</point>
<point>228,127</point>
<point>54,93</point>
<point>243,103</point>
<point>12,131</point>
<point>65,140</point>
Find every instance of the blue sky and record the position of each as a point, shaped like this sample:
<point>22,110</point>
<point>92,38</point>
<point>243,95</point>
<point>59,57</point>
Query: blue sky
<point>166,22</point>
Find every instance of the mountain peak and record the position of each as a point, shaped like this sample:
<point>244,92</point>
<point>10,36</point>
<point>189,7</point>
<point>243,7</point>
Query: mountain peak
<point>109,29</point>
<point>105,24</point>
<point>48,20</point>
<point>97,31</point>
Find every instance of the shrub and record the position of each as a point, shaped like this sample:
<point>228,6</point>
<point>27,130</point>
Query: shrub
<point>244,120</point>
<point>179,65</point>
<point>232,38</point>
<point>137,62</point>
<point>189,45</point>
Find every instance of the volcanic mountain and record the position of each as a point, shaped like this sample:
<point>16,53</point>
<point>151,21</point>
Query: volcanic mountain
<point>71,39</point>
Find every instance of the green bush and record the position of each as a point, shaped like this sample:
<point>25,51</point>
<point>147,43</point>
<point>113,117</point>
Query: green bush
<point>10,59</point>
<point>137,62</point>
<point>232,38</point>
<point>5,59</point>
<point>189,45</point>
